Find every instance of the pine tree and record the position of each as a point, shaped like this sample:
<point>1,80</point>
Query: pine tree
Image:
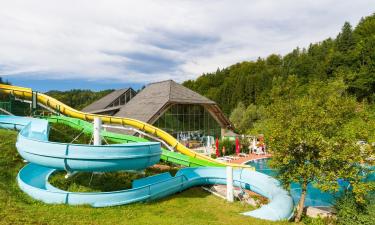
<point>345,39</point>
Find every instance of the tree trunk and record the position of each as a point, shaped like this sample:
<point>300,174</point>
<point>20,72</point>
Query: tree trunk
<point>301,203</point>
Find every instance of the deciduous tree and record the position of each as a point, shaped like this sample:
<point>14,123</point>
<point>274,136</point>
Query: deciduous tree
<point>313,137</point>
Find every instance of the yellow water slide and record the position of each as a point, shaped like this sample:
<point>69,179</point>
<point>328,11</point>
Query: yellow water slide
<point>27,94</point>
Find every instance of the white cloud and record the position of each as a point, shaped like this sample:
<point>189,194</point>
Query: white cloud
<point>143,41</point>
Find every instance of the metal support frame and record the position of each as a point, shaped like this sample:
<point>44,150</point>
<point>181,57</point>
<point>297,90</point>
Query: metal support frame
<point>97,131</point>
<point>230,196</point>
<point>39,104</point>
<point>142,133</point>
<point>6,112</point>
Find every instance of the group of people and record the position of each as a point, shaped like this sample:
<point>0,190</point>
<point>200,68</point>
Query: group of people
<point>258,146</point>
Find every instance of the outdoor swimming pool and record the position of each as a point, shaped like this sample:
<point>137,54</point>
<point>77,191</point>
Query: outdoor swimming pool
<point>315,197</point>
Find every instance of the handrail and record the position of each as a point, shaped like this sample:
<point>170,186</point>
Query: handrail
<point>27,93</point>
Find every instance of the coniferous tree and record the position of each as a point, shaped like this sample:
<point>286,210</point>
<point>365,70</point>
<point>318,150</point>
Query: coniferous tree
<point>345,40</point>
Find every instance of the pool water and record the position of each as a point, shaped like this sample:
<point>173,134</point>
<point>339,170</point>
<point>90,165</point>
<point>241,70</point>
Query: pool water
<point>314,197</point>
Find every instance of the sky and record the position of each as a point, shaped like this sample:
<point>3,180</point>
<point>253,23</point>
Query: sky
<point>98,45</point>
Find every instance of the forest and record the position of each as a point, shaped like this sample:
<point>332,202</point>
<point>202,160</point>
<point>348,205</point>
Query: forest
<point>350,57</point>
<point>78,98</point>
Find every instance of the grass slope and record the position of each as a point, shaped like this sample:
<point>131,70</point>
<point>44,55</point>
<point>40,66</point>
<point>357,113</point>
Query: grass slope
<point>193,206</point>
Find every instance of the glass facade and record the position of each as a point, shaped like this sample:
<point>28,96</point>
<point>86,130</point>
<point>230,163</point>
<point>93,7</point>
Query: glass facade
<point>123,99</point>
<point>188,122</point>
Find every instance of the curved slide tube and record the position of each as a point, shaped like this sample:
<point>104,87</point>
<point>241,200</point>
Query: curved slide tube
<point>168,156</point>
<point>33,178</point>
<point>27,94</point>
<point>33,145</point>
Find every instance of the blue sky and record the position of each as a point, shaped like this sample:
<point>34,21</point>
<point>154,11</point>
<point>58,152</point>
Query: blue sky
<point>112,44</point>
<point>68,84</point>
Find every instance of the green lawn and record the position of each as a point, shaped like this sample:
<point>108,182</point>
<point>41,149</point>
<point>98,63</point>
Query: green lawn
<point>193,206</point>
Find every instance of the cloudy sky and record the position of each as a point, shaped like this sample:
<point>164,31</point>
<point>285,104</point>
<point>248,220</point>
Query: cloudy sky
<point>114,43</point>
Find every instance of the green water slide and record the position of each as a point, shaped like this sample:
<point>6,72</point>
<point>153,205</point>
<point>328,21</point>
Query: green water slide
<point>168,156</point>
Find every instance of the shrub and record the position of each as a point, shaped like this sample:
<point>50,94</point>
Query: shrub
<point>317,221</point>
<point>230,146</point>
<point>349,212</point>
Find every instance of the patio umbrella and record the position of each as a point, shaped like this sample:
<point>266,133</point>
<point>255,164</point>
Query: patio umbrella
<point>237,146</point>
<point>217,148</point>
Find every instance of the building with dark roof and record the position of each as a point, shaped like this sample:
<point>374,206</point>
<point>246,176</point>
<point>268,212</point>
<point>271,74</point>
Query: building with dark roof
<point>170,106</point>
<point>111,103</point>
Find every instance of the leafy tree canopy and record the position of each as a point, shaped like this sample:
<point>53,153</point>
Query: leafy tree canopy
<point>313,130</point>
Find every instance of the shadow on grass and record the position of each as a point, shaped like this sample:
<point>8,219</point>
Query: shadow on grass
<point>102,182</point>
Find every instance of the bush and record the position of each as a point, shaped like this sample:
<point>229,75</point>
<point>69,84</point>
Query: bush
<point>349,212</point>
<point>230,146</point>
<point>245,143</point>
<point>317,221</point>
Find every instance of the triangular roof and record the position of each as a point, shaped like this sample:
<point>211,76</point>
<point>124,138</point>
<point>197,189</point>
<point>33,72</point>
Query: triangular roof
<point>148,104</point>
<point>181,94</point>
<point>105,101</point>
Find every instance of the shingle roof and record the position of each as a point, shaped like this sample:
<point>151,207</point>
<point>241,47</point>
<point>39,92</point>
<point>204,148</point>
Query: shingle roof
<point>105,101</point>
<point>146,105</point>
<point>181,94</point>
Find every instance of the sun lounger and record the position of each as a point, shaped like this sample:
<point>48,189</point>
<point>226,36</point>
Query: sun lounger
<point>243,155</point>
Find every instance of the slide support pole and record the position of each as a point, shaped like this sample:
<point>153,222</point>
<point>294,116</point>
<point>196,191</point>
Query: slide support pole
<point>230,197</point>
<point>97,130</point>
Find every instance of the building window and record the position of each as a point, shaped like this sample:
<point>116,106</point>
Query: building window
<point>188,122</point>
<point>122,100</point>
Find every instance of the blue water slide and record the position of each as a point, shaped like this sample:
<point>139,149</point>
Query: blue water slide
<point>47,157</point>
<point>33,145</point>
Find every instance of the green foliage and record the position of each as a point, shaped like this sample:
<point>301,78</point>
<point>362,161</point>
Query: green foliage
<point>313,130</point>
<point>345,40</point>
<point>350,56</point>
<point>89,182</point>
<point>318,221</point>
<point>230,146</point>
<point>77,98</point>
<point>237,115</point>
<point>244,118</point>
<point>101,182</point>
<point>349,212</point>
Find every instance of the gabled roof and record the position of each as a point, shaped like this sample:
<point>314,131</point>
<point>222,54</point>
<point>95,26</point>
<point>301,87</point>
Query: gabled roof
<point>148,104</point>
<point>181,94</point>
<point>105,101</point>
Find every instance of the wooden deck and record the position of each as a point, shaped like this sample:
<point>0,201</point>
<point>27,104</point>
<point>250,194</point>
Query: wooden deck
<point>249,158</point>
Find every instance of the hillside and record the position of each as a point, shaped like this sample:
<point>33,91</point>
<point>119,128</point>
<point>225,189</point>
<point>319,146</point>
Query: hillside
<point>350,56</point>
<point>78,98</point>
